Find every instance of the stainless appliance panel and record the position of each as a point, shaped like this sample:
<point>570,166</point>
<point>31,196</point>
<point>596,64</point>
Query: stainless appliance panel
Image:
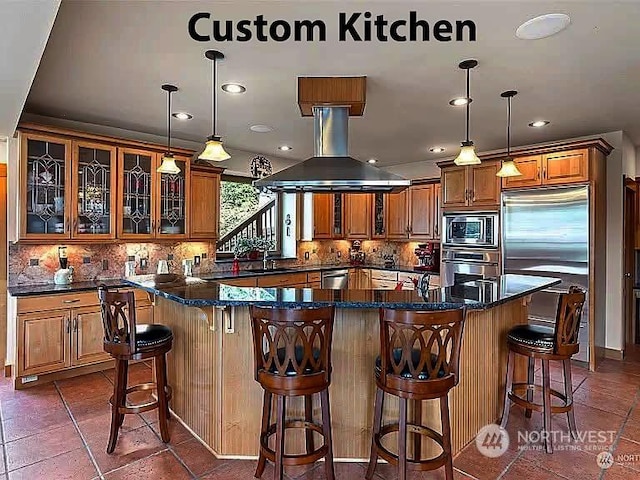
<point>546,232</point>
<point>460,266</point>
<point>336,279</point>
<point>476,230</point>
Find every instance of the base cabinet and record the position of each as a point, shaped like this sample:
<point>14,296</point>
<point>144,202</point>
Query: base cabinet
<point>61,332</point>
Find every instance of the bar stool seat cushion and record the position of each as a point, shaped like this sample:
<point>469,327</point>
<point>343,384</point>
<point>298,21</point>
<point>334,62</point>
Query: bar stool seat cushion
<point>152,335</point>
<point>290,369</point>
<point>415,359</point>
<point>532,336</point>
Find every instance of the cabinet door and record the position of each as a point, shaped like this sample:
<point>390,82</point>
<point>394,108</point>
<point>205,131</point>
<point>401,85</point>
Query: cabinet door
<point>338,215</point>
<point>397,221</point>
<point>530,167</point>
<point>44,187</point>
<point>437,215</point>
<point>358,215</point>
<point>87,336</point>
<point>421,206</point>
<point>454,186</point>
<point>565,167</point>
<point>144,314</point>
<point>172,201</point>
<point>43,342</point>
<point>204,205</point>
<point>484,185</point>
<point>93,179</point>
<point>136,195</point>
<point>322,215</point>
<point>379,216</point>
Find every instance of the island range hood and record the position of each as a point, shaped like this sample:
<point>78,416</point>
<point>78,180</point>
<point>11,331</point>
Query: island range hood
<point>331,169</point>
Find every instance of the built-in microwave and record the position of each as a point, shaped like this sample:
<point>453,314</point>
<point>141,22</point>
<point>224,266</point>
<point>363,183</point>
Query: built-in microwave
<point>477,229</point>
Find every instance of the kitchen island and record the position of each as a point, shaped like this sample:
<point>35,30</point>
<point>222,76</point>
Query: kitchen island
<point>211,363</point>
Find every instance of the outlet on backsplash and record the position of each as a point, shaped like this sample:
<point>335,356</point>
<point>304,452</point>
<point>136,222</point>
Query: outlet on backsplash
<point>105,264</point>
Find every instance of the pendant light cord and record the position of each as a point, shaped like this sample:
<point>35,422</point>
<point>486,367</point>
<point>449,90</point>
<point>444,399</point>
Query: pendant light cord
<point>213,97</point>
<point>169,121</point>
<point>509,127</point>
<point>468,103</point>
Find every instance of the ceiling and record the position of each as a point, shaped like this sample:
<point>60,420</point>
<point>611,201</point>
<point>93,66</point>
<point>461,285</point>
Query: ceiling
<point>24,29</point>
<point>105,62</point>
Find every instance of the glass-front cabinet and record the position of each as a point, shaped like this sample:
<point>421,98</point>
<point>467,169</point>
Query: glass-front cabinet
<point>135,193</point>
<point>93,180</point>
<point>45,194</point>
<point>172,200</point>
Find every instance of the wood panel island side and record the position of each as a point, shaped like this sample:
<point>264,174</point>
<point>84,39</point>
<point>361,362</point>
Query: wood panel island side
<point>211,363</point>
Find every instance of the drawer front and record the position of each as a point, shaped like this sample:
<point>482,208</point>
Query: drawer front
<point>39,303</point>
<point>384,275</point>
<point>240,282</point>
<point>314,277</point>
<point>282,280</point>
<point>383,284</point>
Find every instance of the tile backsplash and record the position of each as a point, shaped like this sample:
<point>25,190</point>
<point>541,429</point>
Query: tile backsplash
<point>337,251</point>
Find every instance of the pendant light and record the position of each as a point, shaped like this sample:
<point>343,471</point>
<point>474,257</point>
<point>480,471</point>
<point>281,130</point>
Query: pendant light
<point>168,164</point>
<point>467,155</point>
<point>509,167</point>
<point>213,150</point>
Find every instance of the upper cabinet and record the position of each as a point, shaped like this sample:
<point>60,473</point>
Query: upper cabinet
<point>471,186</point>
<point>421,212</point>
<point>397,215</point>
<point>83,187</point>
<point>328,215</point>
<point>379,213</point>
<point>557,168</point>
<point>358,216</point>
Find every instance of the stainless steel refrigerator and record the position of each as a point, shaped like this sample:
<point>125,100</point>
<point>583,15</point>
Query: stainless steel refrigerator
<point>546,232</point>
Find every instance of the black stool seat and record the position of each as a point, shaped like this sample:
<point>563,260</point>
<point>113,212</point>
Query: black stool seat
<point>151,335</point>
<point>533,336</point>
<point>415,361</point>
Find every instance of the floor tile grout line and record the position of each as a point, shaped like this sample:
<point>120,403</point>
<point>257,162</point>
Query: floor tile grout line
<point>138,460</point>
<point>82,438</point>
<point>4,449</point>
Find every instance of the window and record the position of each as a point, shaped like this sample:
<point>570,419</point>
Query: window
<point>245,212</point>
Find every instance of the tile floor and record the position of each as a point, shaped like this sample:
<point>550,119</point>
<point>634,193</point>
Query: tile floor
<point>59,431</point>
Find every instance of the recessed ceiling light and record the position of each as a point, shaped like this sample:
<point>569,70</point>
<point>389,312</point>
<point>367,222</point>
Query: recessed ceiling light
<point>543,26</point>
<point>285,148</point>
<point>233,88</point>
<point>182,115</point>
<point>539,123</point>
<point>261,128</point>
<point>436,149</point>
<point>372,161</point>
<point>460,101</point>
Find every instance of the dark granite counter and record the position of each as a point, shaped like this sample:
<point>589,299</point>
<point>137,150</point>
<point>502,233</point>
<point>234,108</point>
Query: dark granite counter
<point>50,288</point>
<point>483,294</point>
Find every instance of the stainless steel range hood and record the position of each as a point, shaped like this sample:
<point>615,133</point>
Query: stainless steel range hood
<point>331,169</point>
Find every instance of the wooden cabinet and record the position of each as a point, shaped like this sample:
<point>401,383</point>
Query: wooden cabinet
<point>471,186</point>
<point>204,202</point>
<point>64,331</point>
<point>558,168</point>
<point>358,215</point>
<point>43,342</point>
<point>87,334</point>
<point>282,280</point>
<point>328,215</point>
<point>437,207</point>
<point>379,216</point>
<point>397,215</point>
<point>565,167</point>
<point>421,212</point>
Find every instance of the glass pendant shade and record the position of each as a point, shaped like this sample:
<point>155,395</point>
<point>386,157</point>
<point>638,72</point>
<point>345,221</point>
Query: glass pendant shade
<point>467,155</point>
<point>168,164</point>
<point>509,169</point>
<point>214,151</point>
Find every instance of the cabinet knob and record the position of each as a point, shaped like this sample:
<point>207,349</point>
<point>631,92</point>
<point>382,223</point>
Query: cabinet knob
<point>66,324</point>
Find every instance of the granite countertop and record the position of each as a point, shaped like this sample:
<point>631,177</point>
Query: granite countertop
<point>50,288</point>
<point>475,295</point>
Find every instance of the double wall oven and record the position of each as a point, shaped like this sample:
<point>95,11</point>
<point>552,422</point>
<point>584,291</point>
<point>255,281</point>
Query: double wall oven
<point>470,247</point>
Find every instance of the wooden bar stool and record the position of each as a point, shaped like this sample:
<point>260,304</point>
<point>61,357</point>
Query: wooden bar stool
<point>292,350</point>
<point>419,360</point>
<point>125,341</point>
<point>546,343</point>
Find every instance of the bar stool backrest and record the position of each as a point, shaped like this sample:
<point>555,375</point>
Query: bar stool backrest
<point>568,321</point>
<point>119,321</point>
<point>421,346</point>
<point>292,342</point>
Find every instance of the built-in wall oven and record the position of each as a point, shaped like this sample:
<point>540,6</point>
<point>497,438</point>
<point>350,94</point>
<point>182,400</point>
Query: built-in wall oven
<point>471,230</point>
<point>467,265</point>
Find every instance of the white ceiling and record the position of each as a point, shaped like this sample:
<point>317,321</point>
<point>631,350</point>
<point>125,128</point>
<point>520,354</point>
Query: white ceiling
<point>105,62</point>
<point>24,29</point>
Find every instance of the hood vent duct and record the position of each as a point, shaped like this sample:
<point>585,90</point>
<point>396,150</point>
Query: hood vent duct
<point>331,169</point>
